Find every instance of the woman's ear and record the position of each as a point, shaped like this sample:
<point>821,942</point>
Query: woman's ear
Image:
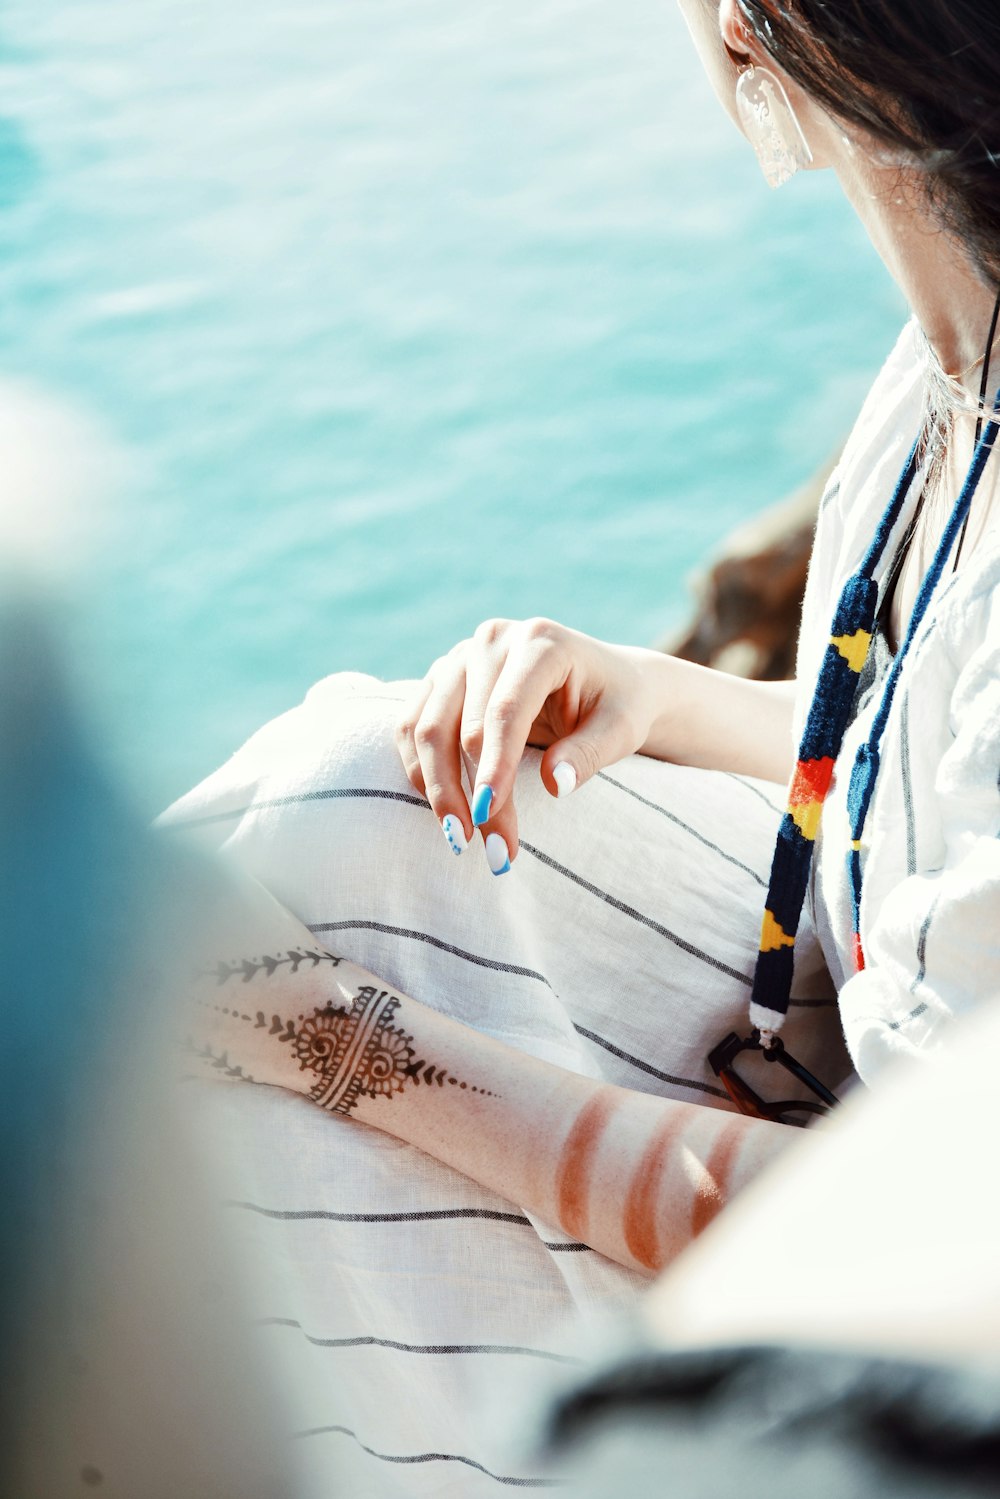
<point>733,30</point>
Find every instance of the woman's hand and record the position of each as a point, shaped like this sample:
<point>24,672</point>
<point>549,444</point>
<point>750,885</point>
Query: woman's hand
<point>513,684</point>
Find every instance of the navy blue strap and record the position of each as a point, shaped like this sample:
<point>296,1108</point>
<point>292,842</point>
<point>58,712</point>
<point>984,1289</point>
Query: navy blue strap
<point>826,724</point>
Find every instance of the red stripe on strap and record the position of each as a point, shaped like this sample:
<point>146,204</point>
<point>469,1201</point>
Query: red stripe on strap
<point>811,781</point>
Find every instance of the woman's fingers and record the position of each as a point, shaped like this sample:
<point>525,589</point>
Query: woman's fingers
<point>438,752</point>
<point>431,759</point>
<point>601,737</point>
<point>535,667</point>
<point>500,838</point>
<point>488,651</point>
<point>482,702</point>
<point>554,680</point>
<point>405,742</point>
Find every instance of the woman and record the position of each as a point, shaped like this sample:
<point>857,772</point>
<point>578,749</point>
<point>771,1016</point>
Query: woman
<point>555,1050</point>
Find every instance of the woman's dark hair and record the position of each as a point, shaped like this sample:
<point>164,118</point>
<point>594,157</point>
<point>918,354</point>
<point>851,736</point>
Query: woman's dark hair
<point>921,77</point>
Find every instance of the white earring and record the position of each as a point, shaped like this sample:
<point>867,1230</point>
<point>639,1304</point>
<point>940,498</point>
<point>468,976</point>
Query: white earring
<point>771,125</point>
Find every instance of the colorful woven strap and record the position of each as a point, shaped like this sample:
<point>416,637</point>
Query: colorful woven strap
<point>826,725</point>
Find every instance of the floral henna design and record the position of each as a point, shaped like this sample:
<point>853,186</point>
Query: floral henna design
<point>353,1053</point>
<point>359,1053</point>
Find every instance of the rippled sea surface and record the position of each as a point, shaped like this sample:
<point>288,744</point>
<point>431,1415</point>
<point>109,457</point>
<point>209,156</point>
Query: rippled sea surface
<point>384,316</point>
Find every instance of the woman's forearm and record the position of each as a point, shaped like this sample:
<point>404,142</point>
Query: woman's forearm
<point>720,722</point>
<point>634,1176</point>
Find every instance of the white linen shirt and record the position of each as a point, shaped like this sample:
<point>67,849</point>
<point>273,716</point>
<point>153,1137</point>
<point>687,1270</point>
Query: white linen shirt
<point>930,910</point>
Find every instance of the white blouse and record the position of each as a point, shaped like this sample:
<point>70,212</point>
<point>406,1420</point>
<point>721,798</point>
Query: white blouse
<point>930,912</point>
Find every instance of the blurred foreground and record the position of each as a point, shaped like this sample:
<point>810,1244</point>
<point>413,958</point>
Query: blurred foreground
<point>125,1363</point>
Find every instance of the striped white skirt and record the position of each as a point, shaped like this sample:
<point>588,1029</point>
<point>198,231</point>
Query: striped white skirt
<point>402,1301</point>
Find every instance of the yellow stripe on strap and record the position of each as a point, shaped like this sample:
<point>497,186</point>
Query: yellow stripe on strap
<point>853,648</point>
<point>773,935</point>
<point>806,817</point>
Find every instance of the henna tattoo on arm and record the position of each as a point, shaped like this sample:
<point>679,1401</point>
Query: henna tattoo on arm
<point>249,968</point>
<point>353,1052</point>
<point>575,1171</point>
<point>713,1189</point>
<point>643,1228</point>
<point>219,1060</point>
<point>656,1192</point>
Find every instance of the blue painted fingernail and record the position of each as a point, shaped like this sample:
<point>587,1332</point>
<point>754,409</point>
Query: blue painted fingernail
<point>481,804</point>
<point>497,856</point>
<point>455,834</point>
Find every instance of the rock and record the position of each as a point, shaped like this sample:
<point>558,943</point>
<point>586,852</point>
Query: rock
<point>749,602</point>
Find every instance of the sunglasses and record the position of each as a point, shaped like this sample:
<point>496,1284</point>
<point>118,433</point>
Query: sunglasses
<point>748,1101</point>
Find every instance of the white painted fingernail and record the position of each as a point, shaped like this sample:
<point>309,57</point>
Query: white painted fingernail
<point>455,834</point>
<point>565,777</point>
<point>497,856</point>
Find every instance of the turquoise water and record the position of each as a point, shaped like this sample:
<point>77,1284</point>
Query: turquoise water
<point>384,316</point>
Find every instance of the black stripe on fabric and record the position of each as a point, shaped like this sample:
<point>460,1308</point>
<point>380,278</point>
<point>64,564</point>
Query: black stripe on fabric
<point>665,1077</point>
<point>378,793</point>
<point>706,842</point>
<point>918,1010</point>
<point>458,952</point>
<point>897,1025</point>
<point>922,945</point>
<point>425,1215</point>
<point>428,1215</point>
<point>891,1025</point>
<point>754,790</point>
<point>904,755</point>
<point>495,964</point>
<point>647,921</point>
<point>506,1350</point>
<point>927,627</point>
<point>333,793</point>
<point>514,968</point>
<point>346,792</point>
<point>433,1457</point>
